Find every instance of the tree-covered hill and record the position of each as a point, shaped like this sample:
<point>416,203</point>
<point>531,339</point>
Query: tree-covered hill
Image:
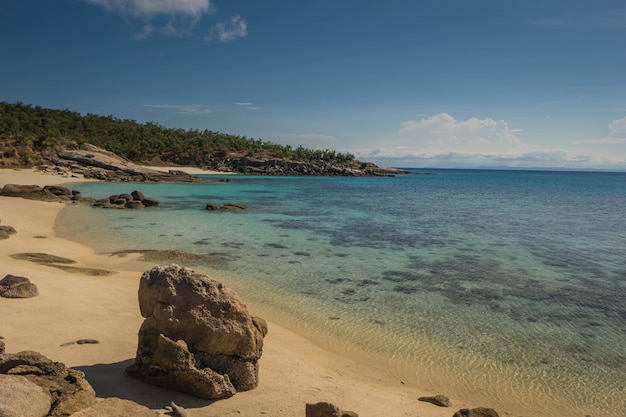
<point>30,134</point>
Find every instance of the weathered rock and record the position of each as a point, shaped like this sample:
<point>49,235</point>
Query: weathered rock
<point>171,365</point>
<point>19,397</point>
<point>324,409</point>
<point>212,206</point>
<point>2,347</point>
<point>100,164</point>
<point>476,412</point>
<point>63,192</point>
<point>67,387</point>
<point>12,286</point>
<point>133,204</point>
<point>3,235</point>
<point>150,201</point>
<point>8,230</point>
<point>137,195</point>
<point>31,192</point>
<point>440,400</point>
<point>198,336</point>
<point>116,407</point>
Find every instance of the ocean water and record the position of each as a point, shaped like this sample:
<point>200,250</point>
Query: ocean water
<point>503,288</point>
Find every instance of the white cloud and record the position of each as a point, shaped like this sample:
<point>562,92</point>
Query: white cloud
<point>180,16</point>
<point>443,131</point>
<point>235,28</point>
<point>187,109</point>
<point>617,128</point>
<point>617,134</point>
<point>442,141</point>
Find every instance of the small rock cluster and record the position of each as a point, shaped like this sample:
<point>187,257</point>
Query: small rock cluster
<point>134,200</point>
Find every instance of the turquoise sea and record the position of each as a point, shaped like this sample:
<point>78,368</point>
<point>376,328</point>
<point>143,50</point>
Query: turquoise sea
<point>503,288</point>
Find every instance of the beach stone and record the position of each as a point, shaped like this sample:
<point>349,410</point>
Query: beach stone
<point>197,337</point>
<point>12,286</point>
<point>68,388</point>
<point>116,407</point>
<point>2,347</point>
<point>8,230</point>
<point>476,412</point>
<point>439,400</point>
<point>20,397</point>
<point>3,235</point>
<point>212,206</point>
<point>324,409</point>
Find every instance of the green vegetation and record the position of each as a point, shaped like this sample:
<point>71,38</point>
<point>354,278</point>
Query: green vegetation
<point>27,132</point>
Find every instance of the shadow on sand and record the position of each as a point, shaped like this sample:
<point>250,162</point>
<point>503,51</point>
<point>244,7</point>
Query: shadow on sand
<point>111,380</point>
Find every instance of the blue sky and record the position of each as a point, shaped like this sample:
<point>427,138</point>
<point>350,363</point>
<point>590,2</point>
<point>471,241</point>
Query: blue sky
<point>441,83</point>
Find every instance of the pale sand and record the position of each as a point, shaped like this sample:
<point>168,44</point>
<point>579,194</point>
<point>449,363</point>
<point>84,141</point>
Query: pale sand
<point>74,306</point>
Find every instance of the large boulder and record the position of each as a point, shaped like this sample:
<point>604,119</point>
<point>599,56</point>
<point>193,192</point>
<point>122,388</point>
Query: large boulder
<point>12,286</point>
<point>21,398</point>
<point>68,388</point>
<point>198,336</point>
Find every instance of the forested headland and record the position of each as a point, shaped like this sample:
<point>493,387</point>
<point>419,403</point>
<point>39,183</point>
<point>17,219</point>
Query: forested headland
<point>30,134</point>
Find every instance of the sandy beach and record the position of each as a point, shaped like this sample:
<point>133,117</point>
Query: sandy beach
<point>77,305</point>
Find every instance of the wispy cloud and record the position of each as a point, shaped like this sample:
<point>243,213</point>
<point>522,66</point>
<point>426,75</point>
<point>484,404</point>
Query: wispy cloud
<point>187,109</point>
<point>167,17</point>
<point>247,105</point>
<point>617,134</point>
<point>231,30</point>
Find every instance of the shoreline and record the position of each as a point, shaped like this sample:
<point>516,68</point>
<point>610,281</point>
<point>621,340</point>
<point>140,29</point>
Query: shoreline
<point>71,306</point>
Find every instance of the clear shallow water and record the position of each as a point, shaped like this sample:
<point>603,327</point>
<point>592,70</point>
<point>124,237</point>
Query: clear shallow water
<point>505,288</point>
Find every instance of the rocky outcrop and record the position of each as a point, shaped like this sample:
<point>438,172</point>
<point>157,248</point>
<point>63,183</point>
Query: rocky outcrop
<point>21,398</point>
<point>97,163</point>
<point>134,200</point>
<point>12,286</point>
<point>476,412</point>
<point>198,336</point>
<point>273,166</point>
<point>67,388</point>
<point>324,409</point>
<point>46,193</point>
